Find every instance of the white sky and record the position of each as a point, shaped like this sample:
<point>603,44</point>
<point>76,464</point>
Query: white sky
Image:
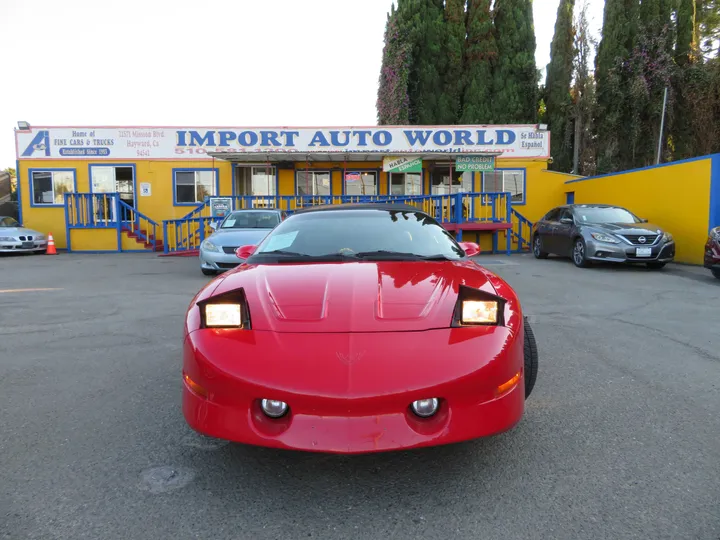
<point>189,63</point>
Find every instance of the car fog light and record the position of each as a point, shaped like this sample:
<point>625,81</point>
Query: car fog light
<point>425,407</point>
<point>274,408</point>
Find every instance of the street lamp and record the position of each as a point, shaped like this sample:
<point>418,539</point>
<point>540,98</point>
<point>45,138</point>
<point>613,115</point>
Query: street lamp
<point>23,126</point>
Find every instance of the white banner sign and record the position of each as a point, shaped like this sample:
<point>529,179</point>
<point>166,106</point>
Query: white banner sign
<point>196,143</point>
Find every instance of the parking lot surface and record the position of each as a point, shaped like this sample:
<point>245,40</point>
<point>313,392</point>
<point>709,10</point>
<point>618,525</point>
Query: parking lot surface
<point>621,437</point>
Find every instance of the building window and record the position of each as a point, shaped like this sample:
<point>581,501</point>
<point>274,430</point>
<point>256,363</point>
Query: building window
<point>505,180</point>
<point>313,183</point>
<point>442,185</point>
<point>255,181</point>
<point>191,187</point>
<point>406,184</point>
<point>50,187</point>
<point>361,183</point>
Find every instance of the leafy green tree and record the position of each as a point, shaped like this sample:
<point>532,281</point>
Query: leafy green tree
<point>557,87</point>
<point>515,78</point>
<point>708,27</point>
<point>583,97</point>
<point>480,58</point>
<point>450,106</point>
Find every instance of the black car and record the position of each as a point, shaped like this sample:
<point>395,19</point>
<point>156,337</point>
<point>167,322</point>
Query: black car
<point>589,233</point>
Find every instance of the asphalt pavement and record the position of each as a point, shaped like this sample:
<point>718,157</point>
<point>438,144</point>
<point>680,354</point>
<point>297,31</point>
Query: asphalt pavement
<point>621,437</point>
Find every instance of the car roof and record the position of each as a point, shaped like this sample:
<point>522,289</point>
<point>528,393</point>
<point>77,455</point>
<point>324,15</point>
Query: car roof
<point>252,210</point>
<point>388,207</point>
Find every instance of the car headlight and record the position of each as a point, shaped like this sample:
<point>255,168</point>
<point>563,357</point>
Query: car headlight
<point>223,315</point>
<point>478,308</point>
<point>40,237</point>
<point>207,245</point>
<point>227,310</point>
<point>7,239</point>
<point>667,237</point>
<point>479,312</point>
<point>602,237</point>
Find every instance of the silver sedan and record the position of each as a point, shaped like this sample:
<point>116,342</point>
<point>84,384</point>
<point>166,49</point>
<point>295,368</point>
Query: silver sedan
<point>239,228</point>
<point>14,238</point>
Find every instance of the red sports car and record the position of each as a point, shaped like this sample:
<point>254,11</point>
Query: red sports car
<point>712,252</point>
<point>357,328</point>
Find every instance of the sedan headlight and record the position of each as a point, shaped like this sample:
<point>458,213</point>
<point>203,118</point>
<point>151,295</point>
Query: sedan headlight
<point>667,237</point>
<point>40,237</point>
<point>207,245</point>
<point>479,312</point>
<point>7,239</point>
<point>602,237</point>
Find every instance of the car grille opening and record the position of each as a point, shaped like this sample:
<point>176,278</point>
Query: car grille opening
<point>634,239</point>
<point>227,265</point>
<point>25,238</point>
<point>229,250</point>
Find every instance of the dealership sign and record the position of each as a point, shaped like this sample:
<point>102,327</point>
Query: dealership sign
<point>475,163</point>
<point>196,143</point>
<point>402,164</point>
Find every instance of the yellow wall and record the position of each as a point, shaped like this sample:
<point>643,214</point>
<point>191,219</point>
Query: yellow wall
<point>675,197</point>
<point>93,239</point>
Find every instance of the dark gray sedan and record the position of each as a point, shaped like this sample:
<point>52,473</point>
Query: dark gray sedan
<point>589,233</point>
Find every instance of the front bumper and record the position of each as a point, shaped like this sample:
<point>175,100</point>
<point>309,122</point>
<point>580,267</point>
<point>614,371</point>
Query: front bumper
<point>663,252</point>
<point>350,393</point>
<point>212,260</point>
<point>23,247</point>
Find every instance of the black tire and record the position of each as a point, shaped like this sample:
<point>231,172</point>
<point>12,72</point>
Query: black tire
<point>41,252</point>
<point>579,253</point>
<point>537,248</point>
<point>531,359</point>
<point>715,273</point>
<point>656,265</point>
<point>207,272</point>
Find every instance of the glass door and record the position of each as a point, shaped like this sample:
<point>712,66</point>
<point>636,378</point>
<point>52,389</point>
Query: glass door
<point>103,181</point>
<point>114,180</point>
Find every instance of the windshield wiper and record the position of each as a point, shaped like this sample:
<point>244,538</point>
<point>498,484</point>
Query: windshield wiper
<point>386,254</point>
<point>294,255</point>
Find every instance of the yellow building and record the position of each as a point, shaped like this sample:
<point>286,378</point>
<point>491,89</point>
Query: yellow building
<point>135,188</point>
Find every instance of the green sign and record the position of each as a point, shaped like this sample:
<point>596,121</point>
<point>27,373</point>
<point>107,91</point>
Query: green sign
<point>402,164</point>
<point>475,163</point>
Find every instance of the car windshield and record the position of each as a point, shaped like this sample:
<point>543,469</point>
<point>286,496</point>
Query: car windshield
<point>251,220</point>
<point>605,215</point>
<point>8,222</point>
<point>365,234</point>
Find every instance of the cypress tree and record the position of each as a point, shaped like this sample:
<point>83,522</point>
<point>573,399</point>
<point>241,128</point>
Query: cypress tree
<point>393,102</point>
<point>450,105</point>
<point>515,77</point>
<point>557,88</point>
<point>708,27</point>
<point>686,32</point>
<point>480,57</point>
<point>685,81</point>
<point>618,40</point>
<point>423,22</point>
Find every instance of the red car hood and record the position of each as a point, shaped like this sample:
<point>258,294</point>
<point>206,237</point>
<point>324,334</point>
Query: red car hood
<point>353,297</point>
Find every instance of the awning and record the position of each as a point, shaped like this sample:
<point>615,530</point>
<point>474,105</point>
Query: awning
<point>335,157</point>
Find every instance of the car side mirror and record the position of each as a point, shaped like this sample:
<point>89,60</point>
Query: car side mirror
<point>470,248</point>
<point>243,252</point>
<point>213,225</point>
<point>567,221</point>
<point>643,220</point>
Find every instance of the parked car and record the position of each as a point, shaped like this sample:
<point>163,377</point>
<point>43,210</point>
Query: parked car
<point>712,252</point>
<point>14,238</point>
<point>590,233</point>
<point>238,228</point>
<point>355,329</point>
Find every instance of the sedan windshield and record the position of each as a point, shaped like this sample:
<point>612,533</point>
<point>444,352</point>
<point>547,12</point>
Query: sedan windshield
<point>605,215</point>
<point>8,222</point>
<point>251,220</point>
<point>363,234</point>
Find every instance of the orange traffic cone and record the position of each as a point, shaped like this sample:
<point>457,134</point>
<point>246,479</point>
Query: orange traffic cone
<point>51,246</point>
